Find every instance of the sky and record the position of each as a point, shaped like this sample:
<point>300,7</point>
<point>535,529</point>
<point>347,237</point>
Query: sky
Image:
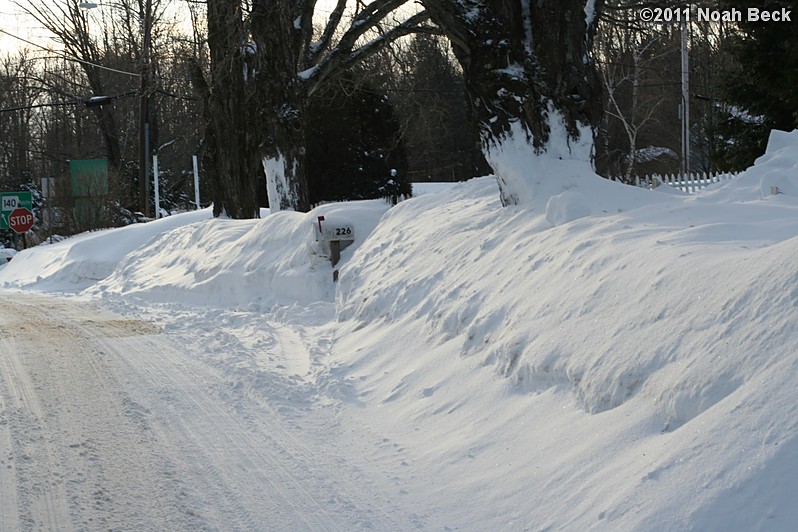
<point>15,22</point>
<point>600,357</point>
<point>12,21</point>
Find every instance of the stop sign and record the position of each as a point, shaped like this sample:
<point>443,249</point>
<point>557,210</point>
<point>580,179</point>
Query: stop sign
<point>20,220</point>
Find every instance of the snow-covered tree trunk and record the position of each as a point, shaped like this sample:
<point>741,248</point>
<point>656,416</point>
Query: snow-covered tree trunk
<point>284,165</point>
<point>281,31</point>
<point>529,81</point>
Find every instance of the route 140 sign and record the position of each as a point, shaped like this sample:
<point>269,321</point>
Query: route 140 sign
<point>11,201</point>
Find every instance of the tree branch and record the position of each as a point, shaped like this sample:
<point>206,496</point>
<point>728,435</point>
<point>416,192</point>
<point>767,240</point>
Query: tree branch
<point>319,47</point>
<point>343,56</point>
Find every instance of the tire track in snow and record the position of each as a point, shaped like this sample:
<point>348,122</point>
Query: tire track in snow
<point>9,505</point>
<point>42,502</point>
<point>353,494</point>
<point>282,410</point>
<point>255,478</point>
<point>82,460</point>
<point>151,432</point>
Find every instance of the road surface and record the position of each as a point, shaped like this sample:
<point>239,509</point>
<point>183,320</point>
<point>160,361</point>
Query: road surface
<point>110,423</point>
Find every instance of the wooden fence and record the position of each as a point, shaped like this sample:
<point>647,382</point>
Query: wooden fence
<point>693,183</point>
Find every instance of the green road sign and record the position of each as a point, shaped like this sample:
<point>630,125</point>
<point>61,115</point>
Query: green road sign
<point>10,201</point>
<point>89,189</point>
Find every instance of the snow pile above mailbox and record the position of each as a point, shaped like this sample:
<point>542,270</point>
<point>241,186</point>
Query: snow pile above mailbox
<point>194,259</point>
<point>251,264</point>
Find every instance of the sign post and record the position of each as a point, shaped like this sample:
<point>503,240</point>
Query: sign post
<point>155,186</point>
<point>196,181</point>
<point>48,191</point>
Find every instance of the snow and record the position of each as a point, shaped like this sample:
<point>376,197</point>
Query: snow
<point>590,12</point>
<point>566,158</point>
<point>308,73</point>
<point>277,185</point>
<point>598,357</point>
<point>744,115</point>
<point>6,254</point>
<point>644,155</point>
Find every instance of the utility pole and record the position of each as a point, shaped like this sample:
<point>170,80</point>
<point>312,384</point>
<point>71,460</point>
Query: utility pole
<point>685,105</point>
<point>144,120</point>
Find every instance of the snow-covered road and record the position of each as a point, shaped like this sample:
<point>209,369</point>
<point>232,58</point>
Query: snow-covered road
<point>108,422</point>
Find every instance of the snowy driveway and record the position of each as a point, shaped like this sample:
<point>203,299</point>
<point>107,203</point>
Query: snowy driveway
<point>108,422</point>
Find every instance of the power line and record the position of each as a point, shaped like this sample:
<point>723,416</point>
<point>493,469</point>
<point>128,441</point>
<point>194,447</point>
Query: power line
<point>38,105</point>
<point>433,91</point>
<point>90,102</point>
<point>64,56</point>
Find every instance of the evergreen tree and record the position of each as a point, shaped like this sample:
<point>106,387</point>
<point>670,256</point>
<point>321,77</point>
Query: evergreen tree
<point>354,150</point>
<point>761,93</point>
<point>442,136</point>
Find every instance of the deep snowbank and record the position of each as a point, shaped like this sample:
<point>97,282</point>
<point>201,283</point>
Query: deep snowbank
<point>78,262</point>
<point>251,264</point>
<point>602,358</point>
<point>193,259</point>
<point>640,359</point>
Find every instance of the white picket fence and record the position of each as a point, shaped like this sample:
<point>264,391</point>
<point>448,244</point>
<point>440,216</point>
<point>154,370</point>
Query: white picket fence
<point>693,183</point>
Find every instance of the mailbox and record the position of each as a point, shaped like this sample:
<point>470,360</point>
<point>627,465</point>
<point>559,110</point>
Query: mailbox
<point>339,232</point>
<point>334,230</point>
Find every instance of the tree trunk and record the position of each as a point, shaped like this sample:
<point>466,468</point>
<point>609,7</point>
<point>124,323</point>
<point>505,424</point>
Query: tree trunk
<point>283,101</point>
<point>231,142</point>
<point>528,79</point>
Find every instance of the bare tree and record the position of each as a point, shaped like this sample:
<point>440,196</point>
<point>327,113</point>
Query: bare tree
<point>120,49</point>
<point>231,144</point>
<point>526,65</point>
<point>71,27</point>
<point>627,56</point>
<point>17,94</point>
